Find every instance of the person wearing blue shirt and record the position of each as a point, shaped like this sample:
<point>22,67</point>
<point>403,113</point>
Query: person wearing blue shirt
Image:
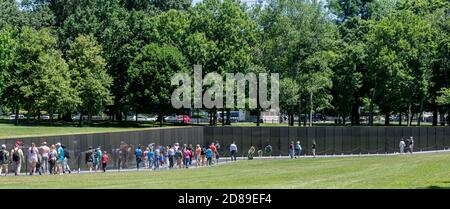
<point>138,154</point>
<point>60,161</point>
<point>209,156</point>
<point>150,156</point>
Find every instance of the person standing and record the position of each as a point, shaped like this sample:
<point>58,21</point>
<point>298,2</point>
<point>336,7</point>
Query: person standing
<point>146,157</point>
<point>198,154</point>
<point>66,167</point>
<point>402,146</point>
<point>32,158</point>
<point>407,144</point>
<point>179,157</point>
<point>4,155</point>
<point>291,149</point>
<point>52,157</point>
<point>105,160</point>
<point>298,149</point>
<point>60,160</point>
<point>209,154</point>
<point>150,156</point>
<point>313,148</point>
<point>156,161</point>
<point>171,153</point>
<point>203,155</point>
<point>187,157</point>
<point>89,159</point>
<point>233,151</point>
<point>17,158</point>
<point>43,151</point>
<point>138,154</point>
<point>213,150</point>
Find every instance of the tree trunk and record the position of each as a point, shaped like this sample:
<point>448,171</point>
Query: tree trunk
<point>442,119</point>
<point>409,115</point>
<point>136,113</point>
<point>215,117</point>
<point>81,120</point>
<point>17,116</point>
<point>258,117</point>
<point>161,118</point>
<point>311,109</point>
<point>421,112</point>
<point>448,118</point>
<point>387,119</point>
<point>223,117</point>
<point>355,115</point>
<point>50,113</point>
<point>228,117</point>
<point>400,119</point>
<point>300,110</point>
<point>343,120</point>
<point>435,115</point>
<point>371,108</point>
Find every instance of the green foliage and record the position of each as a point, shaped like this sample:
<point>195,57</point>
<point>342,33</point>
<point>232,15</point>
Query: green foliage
<point>89,76</point>
<point>149,87</point>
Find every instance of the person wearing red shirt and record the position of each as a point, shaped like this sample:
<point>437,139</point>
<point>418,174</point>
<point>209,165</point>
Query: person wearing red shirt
<point>105,160</point>
<point>213,149</point>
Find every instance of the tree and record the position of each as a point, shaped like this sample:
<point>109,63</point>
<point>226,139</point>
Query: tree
<point>89,75</point>
<point>229,32</point>
<point>401,48</point>
<point>149,78</point>
<point>9,13</point>
<point>298,42</point>
<point>166,5</point>
<point>54,90</point>
<point>289,98</point>
<point>35,73</point>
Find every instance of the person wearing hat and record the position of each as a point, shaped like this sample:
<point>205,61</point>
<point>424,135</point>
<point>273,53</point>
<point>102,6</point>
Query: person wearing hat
<point>4,154</point>
<point>43,151</point>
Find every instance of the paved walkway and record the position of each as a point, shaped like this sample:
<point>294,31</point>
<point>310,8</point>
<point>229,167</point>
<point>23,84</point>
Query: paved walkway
<point>227,160</point>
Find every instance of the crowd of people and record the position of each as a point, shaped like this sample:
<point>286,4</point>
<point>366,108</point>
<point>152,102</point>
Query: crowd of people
<point>43,159</point>
<point>406,145</point>
<point>173,156</point>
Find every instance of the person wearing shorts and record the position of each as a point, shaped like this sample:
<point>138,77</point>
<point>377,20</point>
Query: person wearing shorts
<point>89,159</point>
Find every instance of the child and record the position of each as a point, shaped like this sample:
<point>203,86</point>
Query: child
<point>104,161</point>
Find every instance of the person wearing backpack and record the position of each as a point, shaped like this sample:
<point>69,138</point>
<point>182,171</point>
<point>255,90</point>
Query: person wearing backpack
<point>4,154</point>
<point>203,155</point>
<point>66,167</point>
<point>52,159</point>
<point>17,159</point>
<point>179,157</point>
<point>89,159</point>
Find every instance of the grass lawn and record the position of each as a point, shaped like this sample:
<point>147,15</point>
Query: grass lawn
<point>11,131</point>
<point>406,171</point>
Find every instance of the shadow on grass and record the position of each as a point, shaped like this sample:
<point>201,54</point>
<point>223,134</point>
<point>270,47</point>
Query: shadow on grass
<point>438,187</point>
